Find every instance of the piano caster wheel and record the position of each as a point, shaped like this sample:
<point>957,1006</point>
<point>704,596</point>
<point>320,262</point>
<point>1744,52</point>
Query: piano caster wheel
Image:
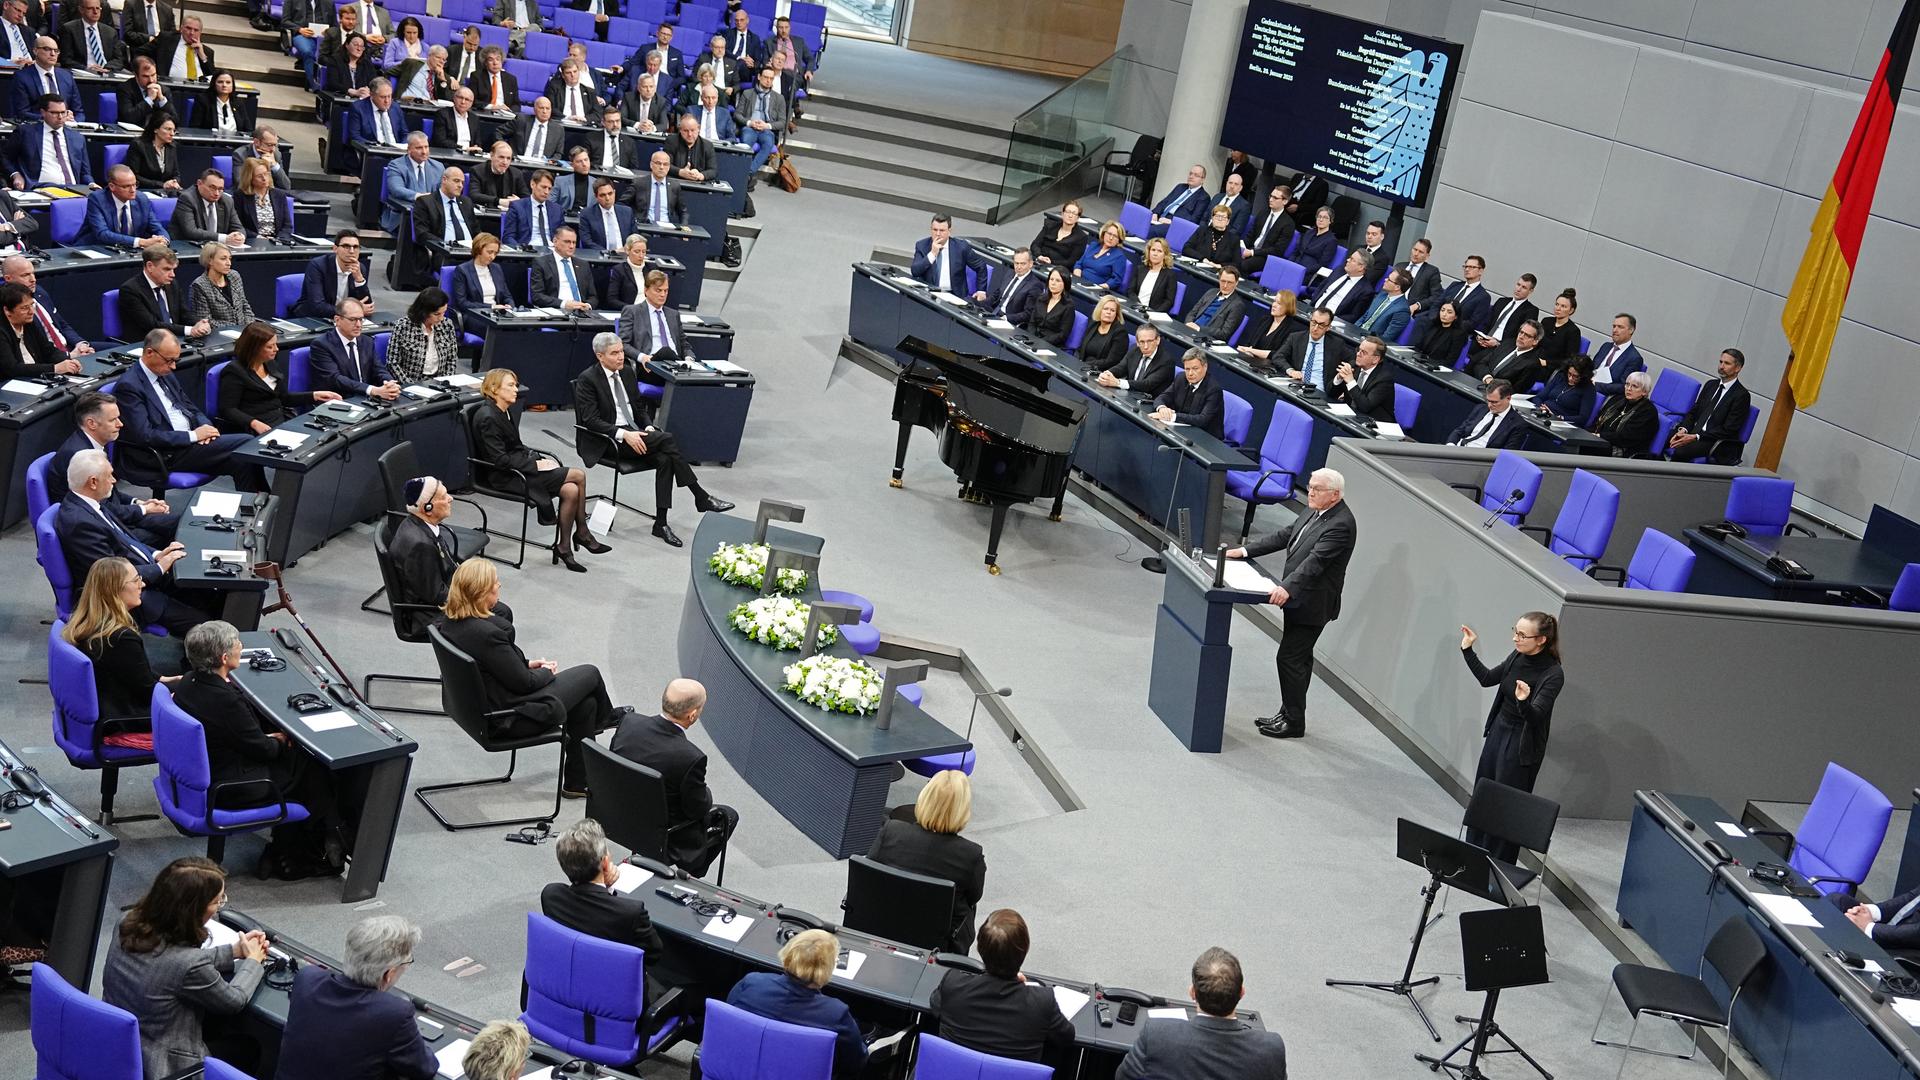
<point>994,569</point>
<point>894,482</point>
<point>1053,517</point>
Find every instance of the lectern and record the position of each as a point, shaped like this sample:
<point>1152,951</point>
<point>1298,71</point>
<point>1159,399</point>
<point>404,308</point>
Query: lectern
<point>1191,655</point>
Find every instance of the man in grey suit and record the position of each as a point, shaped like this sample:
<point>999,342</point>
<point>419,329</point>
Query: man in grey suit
<point>1318,544</point>
<point>207,213</point>
<point>1214,1045</point>
<point>650,327</point>
<point>1217,315</point>
<point>518,16</point>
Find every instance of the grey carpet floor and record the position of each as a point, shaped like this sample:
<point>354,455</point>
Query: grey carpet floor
<point>1281,851</point>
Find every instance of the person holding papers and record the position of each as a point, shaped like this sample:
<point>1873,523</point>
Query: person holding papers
<point>792,996</point>
<point>253,398</point>
<point>1521,717</point>
<point>1196,401</point>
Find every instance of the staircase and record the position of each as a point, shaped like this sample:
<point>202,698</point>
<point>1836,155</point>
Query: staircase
<point>883,153</point>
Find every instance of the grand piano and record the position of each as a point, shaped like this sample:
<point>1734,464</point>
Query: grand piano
<point>1005,436</point>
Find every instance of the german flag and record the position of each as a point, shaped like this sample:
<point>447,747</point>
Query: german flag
<point>1826,270</point>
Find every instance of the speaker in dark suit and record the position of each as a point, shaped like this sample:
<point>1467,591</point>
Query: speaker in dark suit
<point>697,827</point>
<point>1711,429</point>
<point>552,270</point>
<point>1214,1044</point>
<point>1318,544</point>
<point>1002,1015</point>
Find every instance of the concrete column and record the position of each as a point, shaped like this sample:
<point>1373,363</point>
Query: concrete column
<point>1200,94</point>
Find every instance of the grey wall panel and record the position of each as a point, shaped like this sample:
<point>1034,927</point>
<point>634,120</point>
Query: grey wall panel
<point>1767,65</point>
<point>1712,220</point>
<point>1718,116</point>
<point>1825,35</point>
<point>1871,385</point>
<point>1576,81</point>
<point>1513,159</point>
<point>1830,118</point>
<point>1873,37</point>
<point>1688,312</point>
<point>1786,242</point>
<point>1759,336</point>
<point>1883,280</point>
<point>1622,33</point>
<point>1906,494</point>
<point>1665,17</point>
<point>1511,240</point>
<point>1157,30</point>
<point>1839,468</point>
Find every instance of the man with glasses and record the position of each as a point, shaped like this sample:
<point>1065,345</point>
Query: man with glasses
<point>207,213</point>
<point>149,299</point>
<point>345,362</point>
<point>1314,355</point>
<point>16,35</point>
<point>40,79</point>
<point>1494,426</point>
<point>330,278</point>
<point>1470,299</point>
<point>344,1022</point>
<point>46,152</point>
<point>1318,545</point>
<point>121,216</point>
<point>160,416</point>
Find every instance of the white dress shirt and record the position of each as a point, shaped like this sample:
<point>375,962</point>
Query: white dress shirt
<point>1336,293</point>
<point>1147,281</point>
<point>53,150</point>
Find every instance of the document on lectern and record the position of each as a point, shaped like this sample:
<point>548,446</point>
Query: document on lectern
<point>1242,576</point>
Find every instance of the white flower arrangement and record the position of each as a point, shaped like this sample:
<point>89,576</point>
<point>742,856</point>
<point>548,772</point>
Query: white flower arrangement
<point>835,683</point>
<point>746,564</point>
<point>779,621</point>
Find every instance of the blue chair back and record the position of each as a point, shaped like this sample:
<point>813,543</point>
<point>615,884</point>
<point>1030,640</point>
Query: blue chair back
<point>223,164</point>
<point>1079,332</point>
<point>1906,591</point>
<point>1283,453</point>
<point>1406,406</point>
<point>1511,472</point>
<point>113,154</point>
<point>213,386</point>
<point>1760,504</point>
<point>76,701</point>
<point>107,108</point>
<point>1842,831</point>
<point>1179,231</point>
<point>547,48</point>
<point>76,1037</point>
<point>577,24</point>
<point>1585,523</point>
<point>66,216</point>
<point>185,781</point>
<point>110,314</point>
<point>162,208</point>
<point>1674,392</point>
<point>584,995</point>
<point>1238,331</point>
<point>1660,564</point>
<point>1179,297</point>
<point>299,373</point>
<point>943,1060</point>
<point>39,496</point>
<point>1279,273</point>
<point>738,1045</point>
<point>445,275</point>
<point>1238,419</point>
<point>53,561</point>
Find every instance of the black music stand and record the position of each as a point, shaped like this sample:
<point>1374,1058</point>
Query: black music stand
<point>1449,861</point>
<point>1502,948</point>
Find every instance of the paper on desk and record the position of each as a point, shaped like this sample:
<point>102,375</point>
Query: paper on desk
<point>731,931</point>
<point>688,317</point>
<point>218,934</point>
<point>1786,909</point>
<point>1174,1013</point>
<point>1246,577</point>
<point>850,968</point>
<point>1909,1010</point>
<point>289,440</point>
<point>1159,316</point>
<point>1000,324</point>
<point>1071,1001</point>
<point>1045,352</point>
<point>211,554</point>
<point>89,253</point>
<point>23,386</point>
<point>540,1074</point>
<point>1381,427</point>
<point>217,503</point>
<point>630,877</point>
<point>1338,409</point>
<point>328,721</point>
<point>1729,828</point>
<point>313,240</point>
<point>449,1058</point>
<point>1522,400</point>
<point>463,379</point>
<point>124,126</point>
<point>726,367</point>
<point>948,297</point>
<point>418,390</point>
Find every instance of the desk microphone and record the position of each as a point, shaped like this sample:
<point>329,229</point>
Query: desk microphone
<point>1512,501</point>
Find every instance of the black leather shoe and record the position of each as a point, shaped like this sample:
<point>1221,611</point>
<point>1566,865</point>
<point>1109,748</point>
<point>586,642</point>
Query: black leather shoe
<point>573,791</point>
<point>665,532</point>
<point>1288,728</point>
<point>1269,721</point>
<point>711,505</point>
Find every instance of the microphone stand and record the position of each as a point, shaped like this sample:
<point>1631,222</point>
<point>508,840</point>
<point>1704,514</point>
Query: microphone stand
<point>1512,499</point>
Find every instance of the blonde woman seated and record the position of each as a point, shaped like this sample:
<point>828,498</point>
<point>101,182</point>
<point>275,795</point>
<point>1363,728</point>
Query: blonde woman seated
<point>499,1052</point>
<point>929,842</point>
<point>793,997</point>
<point>218,296</point>
<point>126,662</point>
<point>496,437</point>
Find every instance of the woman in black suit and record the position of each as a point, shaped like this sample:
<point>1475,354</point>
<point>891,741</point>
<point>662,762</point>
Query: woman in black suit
<point>1154,288</point>
<point>154,159</point>
<point>497,442</point>
<point>126,662</point>
<point>219,108</point>
<point>1559,335</point>
<point>1271,334</point>
<point>1630,421</point>
<point>1215,242</point>
<point>1446,335</point>
<point>253,397</point>
<point>543,697</point>
<point>1317,248</point>
<point>480,283</point>
<point>1105,341</point>
<point>354,72</point>
<point>266,212</point>
<point>929,842</point>
<point>626,282</point>
<point>1569,392</point>
<point>1061,246</point>
<point>240,750</point>
<point>1521,718</point>
<point>1051,317</point>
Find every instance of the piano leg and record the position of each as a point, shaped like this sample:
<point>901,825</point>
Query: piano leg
<point>1059,503</point>
<point>900,455</point>
<point>993,537</point>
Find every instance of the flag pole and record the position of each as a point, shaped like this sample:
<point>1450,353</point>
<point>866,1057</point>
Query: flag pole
<point>1778,422</point>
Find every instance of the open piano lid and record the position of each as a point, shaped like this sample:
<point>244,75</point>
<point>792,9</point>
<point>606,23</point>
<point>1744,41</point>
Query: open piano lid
<point>1007,396</point>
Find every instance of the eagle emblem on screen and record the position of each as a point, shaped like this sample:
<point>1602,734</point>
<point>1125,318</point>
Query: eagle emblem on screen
<point>1400,124</point>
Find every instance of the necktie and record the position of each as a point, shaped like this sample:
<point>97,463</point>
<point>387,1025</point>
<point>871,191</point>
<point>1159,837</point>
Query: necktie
<point>419,177</point>
<point>573,283</point>
<point>193,64</point>
<point>381,133</point>
<point>139,550</point>
<point>540,224</point>
<point>658,206</point>
<point>1500,328</point>
<point>1007,297</point>
<point>456,229</point>
<point>613,150</point>
<point>1480,430</point>
<point>94,53</point>
<point>166,315</point>
<point>1466,292</point>
<point>126,220</point>
<point>226,117</point>
<point>1141,372</point>
<point>46,327</point>
<point>60,152</point>
<point>739,44</point>
<point>1313,363</point>
<point>609,228</point>
<point>623,409</point>
<point>1709,400</point>
<point>353,360</point>
<point>13,36</point>
<point>537,139</point>
<point>662,339</point>
<point>1264,230</point>
<point>1379,303</point>
<point>179,400</point>
<point>707,128</point>
<point>496,91</point>
<point>1175,204</point>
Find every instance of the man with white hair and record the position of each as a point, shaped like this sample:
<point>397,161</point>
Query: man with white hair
<point>92,526</point>
<point>344,1023</point>
<point>1318,545</point>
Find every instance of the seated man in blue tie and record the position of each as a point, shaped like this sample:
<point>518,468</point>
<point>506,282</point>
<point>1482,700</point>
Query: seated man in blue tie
<point>530,221</point>
<point>1217,315</point>
<point>93,527</point>
<point>1386,316</point>
<point>604,225</point>
<point>1188,201</point>
<point>47,152</point>
<point>344,362</point>
<point>1196,400</point>
<point>161,422</point>
<point>656,199</point>
<point>121,215</point>
<point>330,277</point>
<point>443,219</point>
<point>413,173</point>
<point>559,280</point>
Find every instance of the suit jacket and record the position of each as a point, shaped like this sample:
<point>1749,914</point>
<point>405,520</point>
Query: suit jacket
<point>1318,547</point>
<point>1204,1048</point>
<point>593,909</point>
<point>238,748</point>
<point>140,312</point>
<point>423,565</point>
<point>590,99</point>
<point>249,211</point>
<point>24,156</point>
<point>778,996</point>
<point>1510,433</point>
<point>1564,401</point>
<point>374,20</point>
<point>503,10</point>
<point>1226,318</point>
<point>1717,416</point>
<point>1203,406</point>
<point>487,188</point>
<point>24,95</point>
<point>1159,374</point>
<point>699,156</point>
<point>466,287</point>
<point>328,367</point>
<point>1193,208</point>
<point>1902,936</point>
<point>747,100</point>
<point>544,289</point>
<point>626,157</point>
<point>1161,295</point>
<point>1240,207</point>
<point>85,539</point>
<point>243,397</point>
<point>123,676</point>
<point>660,745</point>
<point>633,109</point>
<point>904,845</point>
<point>29,358</point>
<point>593,409</point>
<point>960,258</point>
<point>360,127</point>
<point>593,231</point>
<point>135,108</point>
<point>1522,369</point>
<point>636,331</point>
<point>444,129</point>
<point>167,44</point>
<point>506,680</point>
<point>1426,280</point>
<point>1292,355</point>
<point>1626,362</point>
<point>1353,303</point>
<point>1312,198</point>
<point>1629,425</point>
<point>169,990</point>
<point>144,416</point>
<point>60,323</point>
<point>430,215</point>
<point>133,25</point>
<point>723,122</point>
<point>756,49</point>
<point>193,221</point>
<point>338,1027</point>
<point>516,225</point>
<point>623,289</point>
<point>1275,242</point>
<point>153,165</point>
<point>1374,398</point>
<point>643,201</point>
<point>1316,253</point>
<point>1473,310</point>
<point>482,86</point>
<point>551,145</point>
<point>1020,303</point>
<point>398,188</point>
<point>320,287</point>
<point>1522,311</point>
<point>1384,315</point>
<point>1003,1017</point>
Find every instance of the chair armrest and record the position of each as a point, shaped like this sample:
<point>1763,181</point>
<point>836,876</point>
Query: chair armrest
<point>481,509</point>
<point>1108,161</point>
<point>213,797</point>
<point>673,1002</point>
<point>114,725</point>
<point>1801,529</point>
<point>1262,482</point>
<point>1475,488</point>
<point>1546,534</point>
<point>1596,570</point>
<point>1787,836</point>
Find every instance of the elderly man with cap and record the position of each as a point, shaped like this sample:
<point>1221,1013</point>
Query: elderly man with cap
<point>425,550</point>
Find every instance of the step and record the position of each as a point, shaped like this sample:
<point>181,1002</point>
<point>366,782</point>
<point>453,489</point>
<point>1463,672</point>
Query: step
<point>882,154</point>
<point>881,108</point>
<point>903,132</point>
<point>875,185</point>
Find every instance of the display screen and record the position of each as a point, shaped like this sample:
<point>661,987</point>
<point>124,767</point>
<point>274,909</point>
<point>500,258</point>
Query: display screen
<point>1351,102</point>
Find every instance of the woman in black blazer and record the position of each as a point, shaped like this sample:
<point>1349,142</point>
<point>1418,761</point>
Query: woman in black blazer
<point>154,159</point>
<point>354,72</point>
<point>1215,242</point>
<point>126,662</point>
<point>1630,421</point>
<point>496,438</point>
<point>1445,336</point>
<point>1271,334</point>
<point>266,212</point>
<point>252,390</point>
<point>1317,248</point>
<point>1154,288</point>
<point>480,283</point>
<point>1051,316</point>
<point>241,750</point>
<point>1569,392</point>
<point>1063,245</point>
<point>1560,335</point>
<point>929,842</point>
<point>625,281</point>
<point>542,696</point>
<point>1105,341</point>
<point>219,108</point>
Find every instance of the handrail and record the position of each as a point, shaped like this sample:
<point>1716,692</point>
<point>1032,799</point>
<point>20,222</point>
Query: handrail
<point>1057,136</point>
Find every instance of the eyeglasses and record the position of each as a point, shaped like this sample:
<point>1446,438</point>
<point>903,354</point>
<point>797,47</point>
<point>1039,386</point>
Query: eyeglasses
<point>1521,635</point>
<point>351,318</point>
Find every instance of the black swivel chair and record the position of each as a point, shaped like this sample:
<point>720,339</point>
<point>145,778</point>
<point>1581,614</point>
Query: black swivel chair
<point>463,697</point>
<point>629,801</point>
<point>1736,953</point>
<point>1137,165</point>
<point>398,612</point>
<point>621,464</point>
<point>478,469</point>
<point>910,908</point>
<point>1518,817</point>
<point>399,464</point>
